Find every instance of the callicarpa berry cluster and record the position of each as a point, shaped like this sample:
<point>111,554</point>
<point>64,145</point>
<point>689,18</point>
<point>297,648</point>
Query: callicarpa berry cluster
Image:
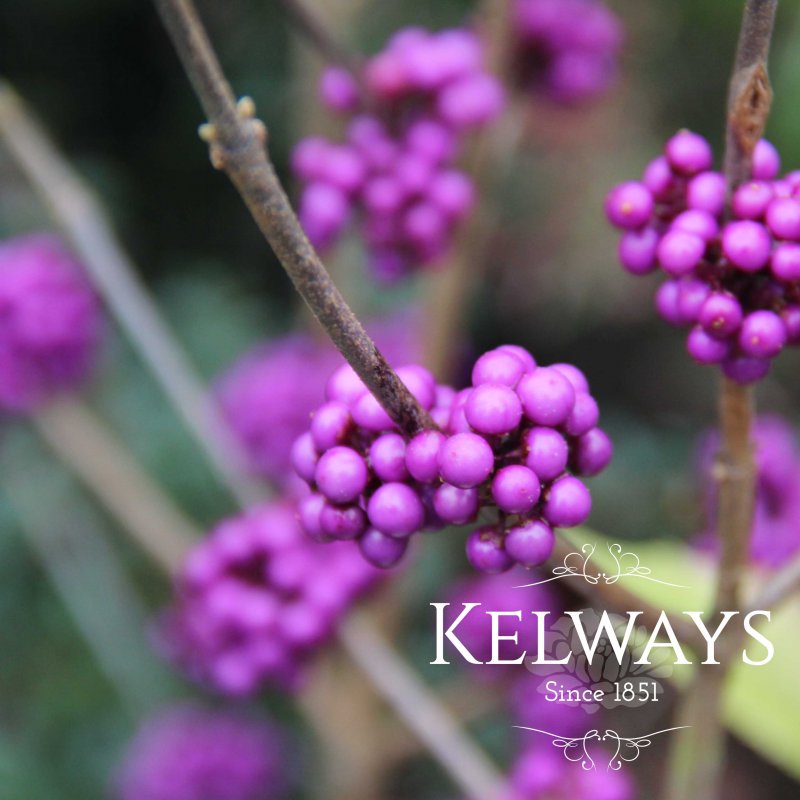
<point>511,446</point>
<point>408,113</point>
<point>733,279</point>
<point>50,322</point>
<point>567,50</point>
<point>187,752</point>
<point>256,599</point>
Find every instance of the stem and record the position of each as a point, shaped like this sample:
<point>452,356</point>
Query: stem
<point>237,147</point>
<point>420,708</point>
<point>81,441</point>
<point>318,32</point>
<point>88,228</point>
<point>697,758</point>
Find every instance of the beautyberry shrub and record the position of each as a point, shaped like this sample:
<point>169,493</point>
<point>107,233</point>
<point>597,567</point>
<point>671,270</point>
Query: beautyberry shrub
<point>50,322</point>
<point>408,112</point>
<point>256,599</point>
<point>509,448</point>
<point>186,752</point>
<point>733,275</point>
<point>567,50</point>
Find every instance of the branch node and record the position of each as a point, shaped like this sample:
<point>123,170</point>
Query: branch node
<point>246,107</point>
<point>207,132</point>
<point>748,113</point>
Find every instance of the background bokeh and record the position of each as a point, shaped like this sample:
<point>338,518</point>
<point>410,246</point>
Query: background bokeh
<point>104,80</point>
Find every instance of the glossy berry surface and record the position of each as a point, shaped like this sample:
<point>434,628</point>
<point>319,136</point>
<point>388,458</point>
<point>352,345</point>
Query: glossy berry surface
<point>734,280</point>
<point>510,450</point>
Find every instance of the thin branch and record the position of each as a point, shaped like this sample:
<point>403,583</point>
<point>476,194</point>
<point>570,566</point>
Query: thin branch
<point>698,757</point>
<point>237,142</point>
<point>89,230</point>
<point>421,710</point>
<point>81,441</point>
<point>318,32</point>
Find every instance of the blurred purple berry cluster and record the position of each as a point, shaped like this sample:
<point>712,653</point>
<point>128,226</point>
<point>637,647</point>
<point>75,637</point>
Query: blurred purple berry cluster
<point>256,599</point>
<point>268,395</point>
<point>408,111</point>
<point>50,322</point>
<point>508,445</point>
<point>776,522</point>
<point>188,752</point>
<point>567,50</point>
<point>734,278</point>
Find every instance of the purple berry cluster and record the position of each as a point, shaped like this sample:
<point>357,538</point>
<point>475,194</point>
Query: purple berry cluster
<point>267,395</point>
<point>566,50</point>
<point>187,752</point>
<point>50,322</point>
<point>407,117</point>
<point>733,274</point>
<point>512,444</point>
<point>256,599</point>
<point>776,522</point>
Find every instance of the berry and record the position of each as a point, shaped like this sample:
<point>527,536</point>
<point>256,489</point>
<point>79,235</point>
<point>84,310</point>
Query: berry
<point>688,153</point>
<point>568,503</point>
<point>395,509</point>
<point>679,252</point>
<point>720,314</point>
<point>547,452</point>
<point>381,550</point>
<point>629,205</point>
<point>530,544</point>
<point>747,245</point>
<point>547,396</point>
<point>762,335</point>
<point>341,474</point>
<point>465,460</point>
<point>486,553</point>
<point>516,489</point>
<point>387,456</point>
<point>422,456</point>
<point>493,408</point>
<point>593,452</point>
<point>454,505</point>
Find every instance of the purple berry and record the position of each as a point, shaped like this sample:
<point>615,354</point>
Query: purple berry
<point>785,262</point>
<point>707,192</point>
<point>574,376</point>
<point>395,509</point>
<point>766,161</point>
<point>688,153</point>
<point>493,408</point>
<point>637,250</point>
<point>629,205</point>
<point>680,252</point>
<point>454,505</point>
<point>762,335</point>
<point>658,177</point>
<point>342,522</point>
<point>547,396</point>
<point>584,415</point>
<point>751,199</point>
<point>746,245</point>
<point>707,349</point>
<point>745,370</point>
<point>341,474</point>
<point>700,223</point>
<point>593,452</point>
<point>309,512</point>
<point>486,553</point>
<point>531,543</point>
<point>422,456</point>
<point>721,314</point>
<point>465,460</point>
<point>304,457</point>
<point>547,452</point>
<point>522,354</point>
<point>783,218</point>
<point>498,366</point>
<point>516,489</point>
<point>387,456</point>
<point>381,550</point>
<point>339,89</point>
<point>567,503</point>
<point>791,319</point>
<point>329,425</point>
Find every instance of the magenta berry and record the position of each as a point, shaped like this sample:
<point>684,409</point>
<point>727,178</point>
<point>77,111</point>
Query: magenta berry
<point>395,176</point>
<point>50,324</point>
<point>465,460</point>
<point>629,205</point>
<point>734,279</point>
<point>249,610</point>
<point>516,489</point>
<point>509,449</point>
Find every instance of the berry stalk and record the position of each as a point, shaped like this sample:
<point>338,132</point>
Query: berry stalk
<point>697,759</point>
<point>237,143</point>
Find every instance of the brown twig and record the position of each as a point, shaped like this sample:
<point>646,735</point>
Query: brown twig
<point>237,142</point>
<point>697,759</point>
